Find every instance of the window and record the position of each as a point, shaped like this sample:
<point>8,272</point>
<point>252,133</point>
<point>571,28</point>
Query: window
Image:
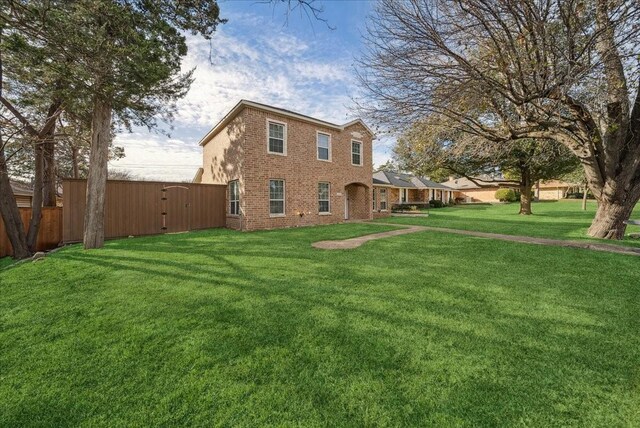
<point>374,199</point>
<point>324,146</point>
<point>404,193</point>
<point>324,190</point>
<point>277,137</point>
<point>356,153</point>
<point>234,198</point>
<point>276,197</point>
<point>383,199</point>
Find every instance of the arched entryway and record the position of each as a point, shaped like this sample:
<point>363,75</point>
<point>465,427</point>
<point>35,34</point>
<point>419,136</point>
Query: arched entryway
<point>357,202</point>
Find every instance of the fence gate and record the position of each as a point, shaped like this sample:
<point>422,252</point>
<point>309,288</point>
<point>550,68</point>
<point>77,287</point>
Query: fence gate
<point>175,208</point>
<point>146,208</point>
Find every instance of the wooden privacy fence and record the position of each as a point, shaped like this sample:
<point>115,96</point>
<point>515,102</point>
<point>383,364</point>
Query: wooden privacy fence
<point>49,235</point>
<point>145,208</point>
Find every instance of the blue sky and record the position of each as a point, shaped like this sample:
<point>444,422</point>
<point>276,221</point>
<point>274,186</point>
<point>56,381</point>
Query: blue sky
<point>301,65</point>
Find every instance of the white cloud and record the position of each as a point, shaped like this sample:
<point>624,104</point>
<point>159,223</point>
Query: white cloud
<point>249,58</point>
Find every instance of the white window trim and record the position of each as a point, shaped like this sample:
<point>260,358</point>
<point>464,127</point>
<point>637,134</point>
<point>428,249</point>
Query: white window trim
<point>230,200</point>
<point>318,146</point>
<point>386,200</point>
<point>284,197</point>
<point>328,200</point>
<point>284,136</point>
<point>361,154</point>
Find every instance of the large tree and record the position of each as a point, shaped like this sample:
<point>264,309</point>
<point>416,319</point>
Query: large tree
<point>431,149</point>
<point>562,70</point>
<point>133,51</point>
<point>102,60</point>
<point>23,123</point>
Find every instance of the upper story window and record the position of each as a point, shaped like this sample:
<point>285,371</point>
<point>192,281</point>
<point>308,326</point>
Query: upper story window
<point>356,153</point>
<point>276,197</point>
<point>324,204</point>
<point>277,138</point>
<point>324,146</point>
<point>234,198</point>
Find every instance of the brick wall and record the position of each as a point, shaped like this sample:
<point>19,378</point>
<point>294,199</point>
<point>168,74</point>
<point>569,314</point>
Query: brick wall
<point>551,194</point>
<point>359,202</point>
<point>223,157</point>
<point>240,152</point>
<point>480,195</point>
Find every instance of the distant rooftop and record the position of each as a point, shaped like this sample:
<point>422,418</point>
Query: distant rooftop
<point>400,179</point>
<point>21,188</point>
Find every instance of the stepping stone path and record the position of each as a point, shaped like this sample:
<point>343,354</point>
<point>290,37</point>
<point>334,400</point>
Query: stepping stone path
<point>346,244</point>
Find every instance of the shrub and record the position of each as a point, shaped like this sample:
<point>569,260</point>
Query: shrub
<point>435,203</point>
<point>506,195</point>
<point>578,195</point>
<point>408,207</point>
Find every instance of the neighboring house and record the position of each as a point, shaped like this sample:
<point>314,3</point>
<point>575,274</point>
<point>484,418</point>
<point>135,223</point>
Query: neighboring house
<point>553,190</point>
<point>392,188</point>
<point>23,194</point>
<point>286,169</point>
<point>468,191</point>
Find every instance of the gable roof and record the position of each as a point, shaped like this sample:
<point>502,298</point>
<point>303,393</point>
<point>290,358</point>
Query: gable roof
<point>198,177</point>
<point>288,113</point>
<point>399,179</point>
<point>463,183</point>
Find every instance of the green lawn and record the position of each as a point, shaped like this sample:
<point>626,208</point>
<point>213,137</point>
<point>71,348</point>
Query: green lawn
<point>223,328</point>
<point>553,219</point>
<point>5,261</point>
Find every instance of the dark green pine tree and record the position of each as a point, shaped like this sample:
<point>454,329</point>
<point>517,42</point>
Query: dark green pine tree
<point>113,62</point>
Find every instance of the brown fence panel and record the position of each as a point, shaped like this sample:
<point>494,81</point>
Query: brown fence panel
<point>137,207</point>
<point>49,235</point>
<point>207,205</point>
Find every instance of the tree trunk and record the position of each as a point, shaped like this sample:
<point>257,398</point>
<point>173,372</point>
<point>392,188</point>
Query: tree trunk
<point>49,171</point>
<point>36,201</point>
<point>97,177</point>
<point>525,192</point>
<point>584,198</point>
<point>610,217</point>
<point>11,214</point>
<point>525,200</point>
<point>49,160</point>
<point>74,162</point>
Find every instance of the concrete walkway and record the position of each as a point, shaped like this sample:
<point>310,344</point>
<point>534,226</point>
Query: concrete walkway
<point>356,242</point>
<point>346,244</point>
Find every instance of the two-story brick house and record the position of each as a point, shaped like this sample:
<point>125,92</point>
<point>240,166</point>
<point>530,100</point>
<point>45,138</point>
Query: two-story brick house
<point>285,169</point>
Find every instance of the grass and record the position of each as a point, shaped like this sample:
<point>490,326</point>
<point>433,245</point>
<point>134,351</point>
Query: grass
<point>223,328</point>
<point>5,262</point>
<point>553,219</point>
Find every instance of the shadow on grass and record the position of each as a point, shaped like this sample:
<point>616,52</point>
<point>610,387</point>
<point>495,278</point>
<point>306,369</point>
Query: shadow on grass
<point>501,347</point>
<point>419,329</point>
